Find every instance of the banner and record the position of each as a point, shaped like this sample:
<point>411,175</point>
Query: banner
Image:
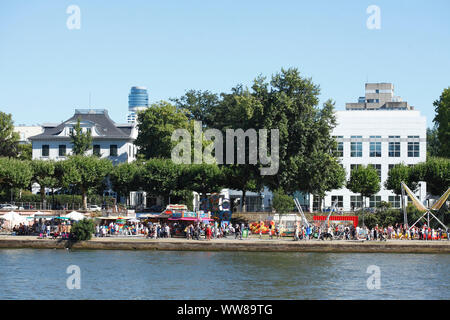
<point>413,198</point>
<point>438,204</point>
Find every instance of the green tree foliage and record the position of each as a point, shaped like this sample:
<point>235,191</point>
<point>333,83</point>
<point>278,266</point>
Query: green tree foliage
<point>156,125</point>
<point>43,174</point>
<point>290,104</point>
<point>9,140</point>
<point>81,141</point>
<point>85,173</point>
<point>433,144</point>
<point>281,202</point>
<point>435,172</point>
<point>82,230</point>
<point>198,105</point>
<point>202,178</point>
<point>364,180</point>
<point>15,173</point>
<point>441,121</point>
<point>161,177</point>
<point>396,175</point>
<point>124,178</point>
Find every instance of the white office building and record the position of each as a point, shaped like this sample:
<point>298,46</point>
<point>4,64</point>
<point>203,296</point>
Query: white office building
<point>382,139</point>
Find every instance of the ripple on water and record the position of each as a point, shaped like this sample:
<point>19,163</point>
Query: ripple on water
<point>41,274</point>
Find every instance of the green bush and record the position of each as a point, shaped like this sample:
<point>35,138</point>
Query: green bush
<point>83,229</point>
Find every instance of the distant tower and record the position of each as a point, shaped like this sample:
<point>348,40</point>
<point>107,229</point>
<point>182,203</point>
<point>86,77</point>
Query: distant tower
<point>137,101</point>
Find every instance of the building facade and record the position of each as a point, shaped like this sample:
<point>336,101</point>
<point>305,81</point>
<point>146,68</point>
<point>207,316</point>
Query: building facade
<point>137,101</point>
<point>382,138</point>
<point>110,140</point>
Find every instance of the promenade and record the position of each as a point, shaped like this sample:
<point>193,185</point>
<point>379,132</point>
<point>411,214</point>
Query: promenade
<point>230,244</point>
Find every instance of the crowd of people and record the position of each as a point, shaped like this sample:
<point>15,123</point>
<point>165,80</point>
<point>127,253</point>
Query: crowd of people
<point>349,232</point>
<point>197,230</point>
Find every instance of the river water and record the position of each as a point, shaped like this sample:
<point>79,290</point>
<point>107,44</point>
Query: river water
<point>42,274</point>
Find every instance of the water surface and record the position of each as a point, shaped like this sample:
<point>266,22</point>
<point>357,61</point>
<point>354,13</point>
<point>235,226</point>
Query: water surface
<point>115,274</point>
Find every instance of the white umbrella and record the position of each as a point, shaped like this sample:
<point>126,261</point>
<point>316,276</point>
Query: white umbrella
<point>14,218</point>
<point>74,215</point>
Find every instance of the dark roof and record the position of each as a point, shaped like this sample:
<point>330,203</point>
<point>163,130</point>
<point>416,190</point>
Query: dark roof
<point>105,127</point>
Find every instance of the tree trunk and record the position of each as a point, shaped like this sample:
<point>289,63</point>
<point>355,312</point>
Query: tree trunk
<point>42,194</point>
<point>83,192</point>
<point>244,203</point>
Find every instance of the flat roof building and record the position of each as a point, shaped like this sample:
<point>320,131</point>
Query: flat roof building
<point>379,96</point>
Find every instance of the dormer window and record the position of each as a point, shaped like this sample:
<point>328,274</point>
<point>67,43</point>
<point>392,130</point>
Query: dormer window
<point>71,131</point>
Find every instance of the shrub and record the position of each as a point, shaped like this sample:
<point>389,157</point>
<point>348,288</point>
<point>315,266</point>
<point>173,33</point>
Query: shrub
<point>83,229</point>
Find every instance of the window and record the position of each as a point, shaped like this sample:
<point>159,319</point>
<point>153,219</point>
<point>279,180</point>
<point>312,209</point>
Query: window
<point>354,166</point>
<point>413,147</point>
<point>355,202</point>
<point>391,166</point>
<point>316,203</point>
<point>340,201</point>
<point>340,147</point>
<point>394,201</point>
<point>356,147</point>
<point>375,147</point>
<point>96,150</point>
<point>45,150</point>
<point>394,147</point>
<point>378,168</point>
<point>89,131</point>
<point>113,150</point>
<point>374,201</point>
<point>62,150</point>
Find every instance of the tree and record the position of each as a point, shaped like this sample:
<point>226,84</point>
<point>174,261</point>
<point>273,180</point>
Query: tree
<point>435,172</point>
<point>83,229</point>
<point>124,178</point>
<point>241,177</point>
<point>14,173</point>
<point>202,178</point>
<point>240,110</point>
<point>364,180</point>
<point>281,202</point>
<point>9,140</point>
<point>290,104</point>
<point>198,105</point>
<point>433,144</point>
<point>161,177</point>
<point>43,174</point>
<point>441,121</point>
<point>85,173</point>
<point>156,125</point>
<point>398,174</point>
<point>81,141</point>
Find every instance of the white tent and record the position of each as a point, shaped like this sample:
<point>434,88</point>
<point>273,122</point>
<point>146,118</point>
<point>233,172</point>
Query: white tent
<point>74,215</point>
<point>14,218</point>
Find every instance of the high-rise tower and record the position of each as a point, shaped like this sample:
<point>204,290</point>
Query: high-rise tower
<point>137,101</point>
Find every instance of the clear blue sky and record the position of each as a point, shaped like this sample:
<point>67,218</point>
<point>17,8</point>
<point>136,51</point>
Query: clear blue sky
<point>47,70</point>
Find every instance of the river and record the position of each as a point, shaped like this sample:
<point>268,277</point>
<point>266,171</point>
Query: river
<point>42,274</point>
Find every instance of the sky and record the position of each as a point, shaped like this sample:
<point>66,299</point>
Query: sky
<point>47,70</point>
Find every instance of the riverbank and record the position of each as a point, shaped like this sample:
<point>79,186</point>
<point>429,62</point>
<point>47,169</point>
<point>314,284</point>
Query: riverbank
<point>251,245</point>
